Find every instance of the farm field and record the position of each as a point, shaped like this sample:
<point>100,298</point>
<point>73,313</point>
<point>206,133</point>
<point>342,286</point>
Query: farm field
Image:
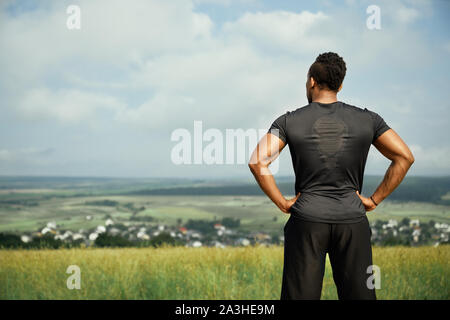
<point>204,273</point>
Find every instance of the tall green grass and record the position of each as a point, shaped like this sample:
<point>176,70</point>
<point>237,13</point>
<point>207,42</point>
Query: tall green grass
<point>203,273</point>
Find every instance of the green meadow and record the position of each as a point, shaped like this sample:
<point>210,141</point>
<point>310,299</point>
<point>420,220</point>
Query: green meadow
<point>204,273</point>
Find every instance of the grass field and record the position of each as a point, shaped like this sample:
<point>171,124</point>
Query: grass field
<point>203,273</point>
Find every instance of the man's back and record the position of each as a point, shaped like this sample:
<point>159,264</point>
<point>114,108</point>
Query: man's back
<point>329,144</point>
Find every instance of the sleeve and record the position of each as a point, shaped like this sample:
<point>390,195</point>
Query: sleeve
<point>278,127</point>
<point>379,125</point>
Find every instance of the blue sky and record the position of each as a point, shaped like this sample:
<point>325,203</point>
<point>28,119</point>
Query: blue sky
<point>104,100</point>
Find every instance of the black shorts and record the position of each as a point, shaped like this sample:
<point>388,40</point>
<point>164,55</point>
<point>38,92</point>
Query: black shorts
<point>305,247</point>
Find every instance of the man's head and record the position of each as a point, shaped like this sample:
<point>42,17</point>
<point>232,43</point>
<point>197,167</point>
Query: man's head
<point>325,74</point>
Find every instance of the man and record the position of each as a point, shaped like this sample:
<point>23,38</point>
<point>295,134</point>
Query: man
<point>329,141</point>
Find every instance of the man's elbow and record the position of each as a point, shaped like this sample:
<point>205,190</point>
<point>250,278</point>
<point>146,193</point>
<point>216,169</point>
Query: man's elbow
<point>256,166</point>
<point>252,166</point>
<point>410,158</point>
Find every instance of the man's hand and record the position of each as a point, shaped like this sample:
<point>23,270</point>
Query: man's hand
<point>367,202</point>
<point>288,203</point>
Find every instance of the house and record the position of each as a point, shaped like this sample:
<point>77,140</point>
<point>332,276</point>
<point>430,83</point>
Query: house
<point>414,223</point>
<point>142,235</point>
<point>218,244</point>
<point>25,238</point>
<point>78,236</point>
<point>218,226</point>
<point>416,235</point>
<point>101,229</point>
<point>442,226</point>
<point>243,241</point>
<point>68,234</point>
<point>196,244</point>
<point>260,236</point>
<point>51,225</point>
<point>195,235</point>
<point>93,236</point>
<point>114,231</point>
<point>392,223</point>
<point>45,230</point>
<point>183,230</point>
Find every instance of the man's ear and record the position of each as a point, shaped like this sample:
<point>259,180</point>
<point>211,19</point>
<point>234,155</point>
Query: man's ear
<point>340,87</point>
<point>312,82</point>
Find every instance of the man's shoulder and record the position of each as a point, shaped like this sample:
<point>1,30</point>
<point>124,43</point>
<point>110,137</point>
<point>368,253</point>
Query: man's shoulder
<point>353,108</point>
<point>297,110</point>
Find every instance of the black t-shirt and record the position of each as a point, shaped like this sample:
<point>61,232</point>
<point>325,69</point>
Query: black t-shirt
<point>329,144</point>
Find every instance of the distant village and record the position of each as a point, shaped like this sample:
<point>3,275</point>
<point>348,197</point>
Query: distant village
<point>205,233</point>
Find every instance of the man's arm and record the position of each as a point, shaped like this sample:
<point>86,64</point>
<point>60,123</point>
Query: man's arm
<point>264,154</point>
<point>392,147</point>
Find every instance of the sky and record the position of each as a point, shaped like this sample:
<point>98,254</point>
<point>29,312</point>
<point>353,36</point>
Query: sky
<point>105,99</point>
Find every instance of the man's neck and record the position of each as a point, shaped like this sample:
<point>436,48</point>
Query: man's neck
<point>326,97</point>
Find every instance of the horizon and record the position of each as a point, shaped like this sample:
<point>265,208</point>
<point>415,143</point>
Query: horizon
<point>197,177</point>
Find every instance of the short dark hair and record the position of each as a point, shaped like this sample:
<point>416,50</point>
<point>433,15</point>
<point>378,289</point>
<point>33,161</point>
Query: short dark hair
<point>329,70</point>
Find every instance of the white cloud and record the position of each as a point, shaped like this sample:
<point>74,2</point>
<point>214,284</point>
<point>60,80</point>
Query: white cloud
<point>407,15</point>
<point>112,32</point>
<point>430,158</point>
<point>404,13</point>
<point>30,153</point>
<point>427,159</point>
<point>219,85</point>
<point>67,106</point>
<point>283,29</point>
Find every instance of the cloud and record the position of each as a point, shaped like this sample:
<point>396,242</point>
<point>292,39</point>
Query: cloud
<point>407,15</point>
<point>30,153</point>
<point>112,33</point>
<point>427,159</point>
<point>431,158</point>
<point>283,29</point>
<point>66,106</point>
<point>215,85</point>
